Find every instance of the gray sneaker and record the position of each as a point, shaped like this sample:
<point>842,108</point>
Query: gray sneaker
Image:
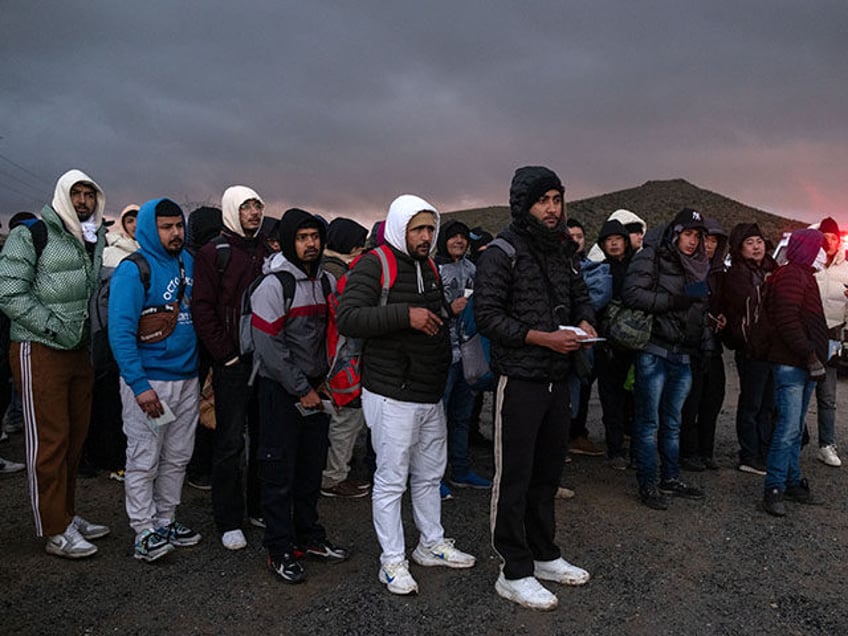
<point>90,530</point>
<point>70,544</point>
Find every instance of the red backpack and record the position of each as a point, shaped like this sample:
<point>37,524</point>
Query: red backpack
<point>344,353</point>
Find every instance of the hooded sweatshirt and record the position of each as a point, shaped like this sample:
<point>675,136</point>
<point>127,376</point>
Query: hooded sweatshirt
<point>175,357</point>
<point>231,201</point>
<point>797,328</point>
<point>47,298</point>
<point>122,246</point>
<point>290,345</point>
<point>397,361</point>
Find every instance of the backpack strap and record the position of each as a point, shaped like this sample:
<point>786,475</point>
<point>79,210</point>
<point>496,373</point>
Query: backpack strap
<point>288,283</point>
<point>144,268</point>
<point>222,253</point>
<point>389,273</point>
<point>38,229</point>
<point>506,247</point>
<point>326,287</point>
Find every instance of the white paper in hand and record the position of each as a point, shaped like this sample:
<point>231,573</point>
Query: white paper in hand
<point>155,423</point>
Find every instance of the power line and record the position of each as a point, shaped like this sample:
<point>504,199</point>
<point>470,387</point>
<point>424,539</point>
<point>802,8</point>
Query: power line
<point>37,189</point>
<point>22,169</point>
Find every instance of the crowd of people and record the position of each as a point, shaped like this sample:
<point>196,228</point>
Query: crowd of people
<point>116,342</point>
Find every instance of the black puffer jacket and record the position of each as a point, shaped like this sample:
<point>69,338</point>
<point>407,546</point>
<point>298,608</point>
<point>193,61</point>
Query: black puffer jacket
<point>739,282</point>
<point>397,361</point>
<point>654,278</point>
<point>511,299</point>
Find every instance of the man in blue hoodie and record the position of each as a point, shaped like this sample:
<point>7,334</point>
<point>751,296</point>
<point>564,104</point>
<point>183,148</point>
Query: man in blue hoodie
<point>159,385</point>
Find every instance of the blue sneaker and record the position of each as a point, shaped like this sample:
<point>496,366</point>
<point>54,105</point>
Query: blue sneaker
<point>445,492</point>
<point>470,480</point>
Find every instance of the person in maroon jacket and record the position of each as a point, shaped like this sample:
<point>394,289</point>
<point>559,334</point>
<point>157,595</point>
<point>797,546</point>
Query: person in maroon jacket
<point>797,351</point>
<point>224,268</point>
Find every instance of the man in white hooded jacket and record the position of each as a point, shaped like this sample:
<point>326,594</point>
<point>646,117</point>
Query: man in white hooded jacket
<point>405,363</point>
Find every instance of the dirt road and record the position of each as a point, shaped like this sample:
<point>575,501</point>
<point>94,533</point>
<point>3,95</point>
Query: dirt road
<point>716,567</point>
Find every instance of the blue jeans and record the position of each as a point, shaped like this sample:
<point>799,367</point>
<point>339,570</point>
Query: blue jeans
<point>660,391</point>
<point>459,401</point>
<point>792,391</point>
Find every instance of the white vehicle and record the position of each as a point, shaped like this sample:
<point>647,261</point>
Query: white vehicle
<point>780,251</point>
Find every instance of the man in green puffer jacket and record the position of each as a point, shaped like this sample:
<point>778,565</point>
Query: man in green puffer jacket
<point>48,272</point>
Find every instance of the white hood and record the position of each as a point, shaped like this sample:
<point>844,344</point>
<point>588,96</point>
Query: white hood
<point>232,199</point>
<point>64,208</point>
<point>400,214</point>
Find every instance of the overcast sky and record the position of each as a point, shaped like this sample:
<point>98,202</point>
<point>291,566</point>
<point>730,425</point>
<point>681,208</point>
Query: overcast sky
<point>338,107</point>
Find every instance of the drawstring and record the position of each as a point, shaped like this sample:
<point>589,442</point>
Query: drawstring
<point>419,276</point>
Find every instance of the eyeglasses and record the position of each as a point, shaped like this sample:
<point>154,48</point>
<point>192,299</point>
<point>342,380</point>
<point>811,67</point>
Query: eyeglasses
<point>252,204</point>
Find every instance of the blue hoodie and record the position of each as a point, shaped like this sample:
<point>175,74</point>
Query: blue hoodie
<point>175,357</point>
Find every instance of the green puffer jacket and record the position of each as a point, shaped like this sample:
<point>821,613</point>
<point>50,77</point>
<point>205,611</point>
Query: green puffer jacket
<point>47,300</point>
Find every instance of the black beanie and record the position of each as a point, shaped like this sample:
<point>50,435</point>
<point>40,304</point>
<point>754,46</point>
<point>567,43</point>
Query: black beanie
<point>345,235</point>
<point>829,226</point>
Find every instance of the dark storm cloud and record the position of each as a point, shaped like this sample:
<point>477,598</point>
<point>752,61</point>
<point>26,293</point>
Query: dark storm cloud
<point>340,106</point>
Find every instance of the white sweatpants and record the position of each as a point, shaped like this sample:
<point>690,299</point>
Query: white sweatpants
<point>156,464</point>
<point>410,440</point>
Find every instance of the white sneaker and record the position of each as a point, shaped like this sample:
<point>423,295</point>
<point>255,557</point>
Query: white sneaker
<point>397,578</point>
<point>442,554</point>
<point>7,467</point>
<point>564,493</point>
<point>234,540</point>
<point>70,544</point>
<point>527,592</point>
<point>560,571</point>
<point>827,454</point>
<point>90,530</point>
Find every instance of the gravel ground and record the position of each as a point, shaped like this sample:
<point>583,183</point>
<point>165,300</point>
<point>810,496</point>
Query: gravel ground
<point>721,566</point>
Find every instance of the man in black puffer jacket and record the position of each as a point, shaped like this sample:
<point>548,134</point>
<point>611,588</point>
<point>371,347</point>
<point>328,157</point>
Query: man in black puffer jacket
<point>524,292</point>
<point>667,279</point>
<point>405,361</point>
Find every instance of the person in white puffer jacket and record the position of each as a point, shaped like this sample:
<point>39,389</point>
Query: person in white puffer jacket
<point>833,286</point>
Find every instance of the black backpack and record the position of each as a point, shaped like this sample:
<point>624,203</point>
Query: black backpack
<point>101,352</point>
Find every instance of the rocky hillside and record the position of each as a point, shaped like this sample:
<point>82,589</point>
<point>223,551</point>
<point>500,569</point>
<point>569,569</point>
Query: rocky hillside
<point>655,201</point>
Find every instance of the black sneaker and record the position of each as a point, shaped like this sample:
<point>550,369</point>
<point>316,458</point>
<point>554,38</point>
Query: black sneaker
<point>773,503</point>
<point>677,488</point>
<point>652,498</point>
<point>326,551</point>
<point>287,568</point>
<point>800,493</point>
<point>710,463</point>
